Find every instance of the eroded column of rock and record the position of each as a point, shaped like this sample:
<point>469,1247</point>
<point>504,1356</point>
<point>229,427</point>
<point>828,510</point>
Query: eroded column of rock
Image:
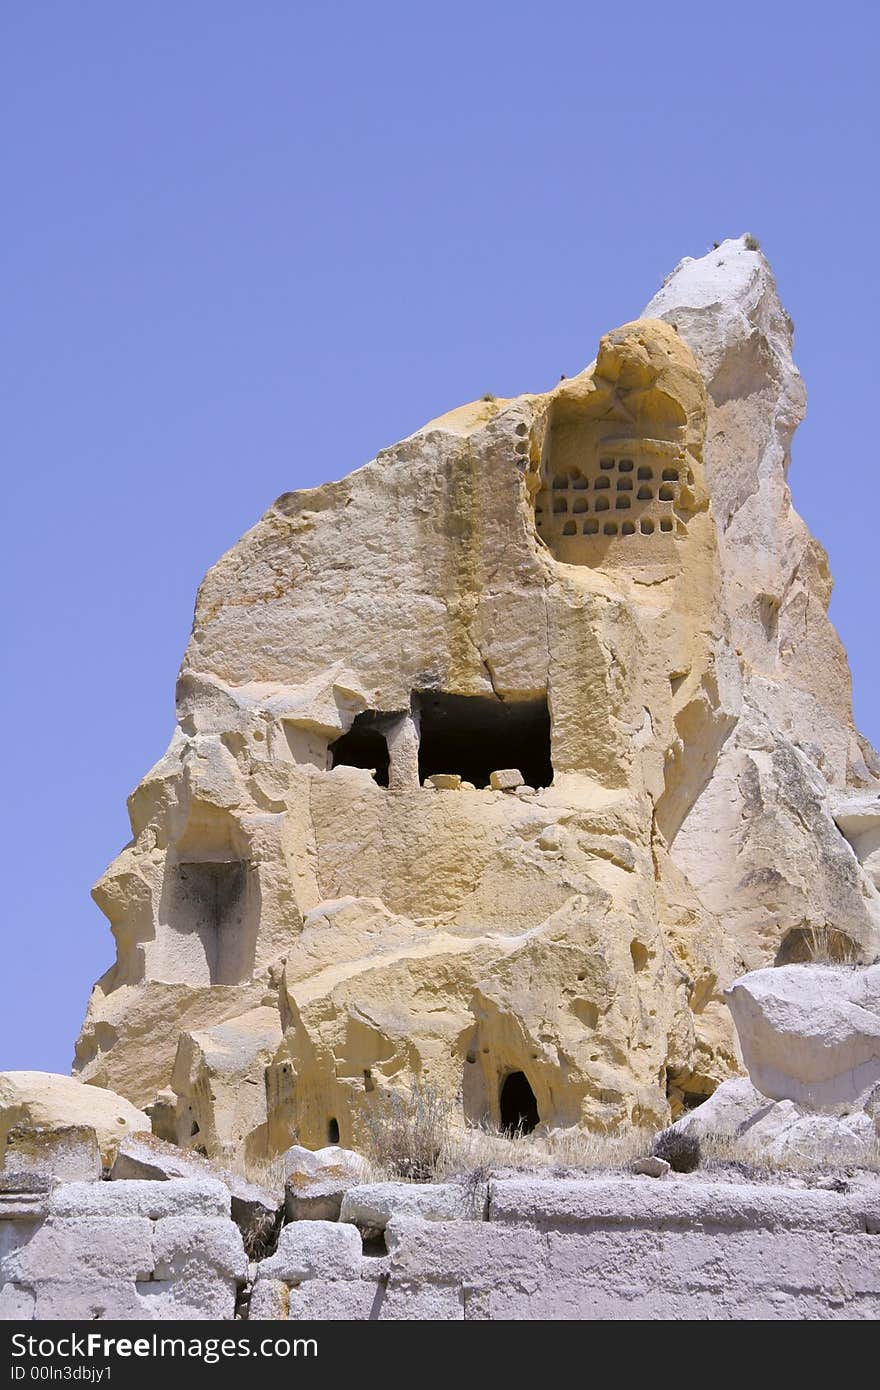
<point>603,588</point>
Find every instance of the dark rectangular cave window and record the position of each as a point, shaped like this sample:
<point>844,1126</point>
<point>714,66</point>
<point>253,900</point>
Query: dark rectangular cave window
<point>475,735</point>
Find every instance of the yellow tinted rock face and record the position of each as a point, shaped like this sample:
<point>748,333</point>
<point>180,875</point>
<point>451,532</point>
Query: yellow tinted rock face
<point>535,604</point>
<point>46,1101</point>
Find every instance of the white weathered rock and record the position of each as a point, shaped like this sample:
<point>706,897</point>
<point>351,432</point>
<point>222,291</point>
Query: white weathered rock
<point>153,1200</point>
<point>373,1205</point>
<point>332,1159</point>
<point>725,1112</point>
<point>784,1133</point>
<point>758,842</point>
<point>318,1180</point>
<point>270,1300</point>
<point>858,818</point>
<point>652,1167</point>
<point>85,1248</point>
<point>196,1246</point>
<point>315,1199</point>
<point>332,1300</point>
<point>42,1157</point>
<point>541,1204</point>
<point>16,1303</point>
<point>506,779</point>
<point>143,1156</point>
<point>43,1100</point>
<point>315,1249</point>
<point>810,1034</point>
<point>125,1259</point>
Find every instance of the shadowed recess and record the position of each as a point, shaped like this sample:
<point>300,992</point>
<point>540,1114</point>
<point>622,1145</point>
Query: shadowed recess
<point>475,736</point>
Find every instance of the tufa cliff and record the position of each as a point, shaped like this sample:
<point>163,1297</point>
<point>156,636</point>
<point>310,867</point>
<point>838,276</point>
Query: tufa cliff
<point>499,759</point>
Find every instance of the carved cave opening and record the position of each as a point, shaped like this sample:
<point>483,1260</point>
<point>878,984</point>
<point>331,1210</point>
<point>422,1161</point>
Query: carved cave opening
<point>365,745</point>
<point>804,945</point>
<point>333,1131</point>
<point>215,914</point>
<point>517,1104</point>
<point>475,735</point>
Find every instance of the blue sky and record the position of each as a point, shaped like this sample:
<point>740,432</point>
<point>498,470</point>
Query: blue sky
<point>247,245</point>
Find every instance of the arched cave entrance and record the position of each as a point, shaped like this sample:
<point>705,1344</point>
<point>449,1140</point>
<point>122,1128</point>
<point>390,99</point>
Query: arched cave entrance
<point>804,945</point>
<point>365,745</point>
<point>333,1131</point>
<point>519,1109</point>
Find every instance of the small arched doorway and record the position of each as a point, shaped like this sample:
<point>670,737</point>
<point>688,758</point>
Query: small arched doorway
<point>516,1101</point>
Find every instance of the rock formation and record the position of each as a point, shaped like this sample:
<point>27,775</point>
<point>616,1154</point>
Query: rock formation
<point>38,1100</point>
<point>810,1038</point>
<point>602,592</point>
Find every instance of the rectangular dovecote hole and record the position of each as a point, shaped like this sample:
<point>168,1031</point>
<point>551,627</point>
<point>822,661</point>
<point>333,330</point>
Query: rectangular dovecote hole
<point>666,493</point>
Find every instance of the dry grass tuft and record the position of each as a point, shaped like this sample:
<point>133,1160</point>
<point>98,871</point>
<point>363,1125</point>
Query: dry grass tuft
<point>725,1152</point>
<point>559,1153</point>
<point>406,1132</point>
<point>825,946</point>
<point>680,1150</point>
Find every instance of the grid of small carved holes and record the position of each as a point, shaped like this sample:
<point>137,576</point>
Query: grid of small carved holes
<point>624,497</point>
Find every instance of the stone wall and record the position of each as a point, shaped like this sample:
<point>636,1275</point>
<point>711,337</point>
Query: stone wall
<point>120,1250</point>
<point>524,1248</point>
